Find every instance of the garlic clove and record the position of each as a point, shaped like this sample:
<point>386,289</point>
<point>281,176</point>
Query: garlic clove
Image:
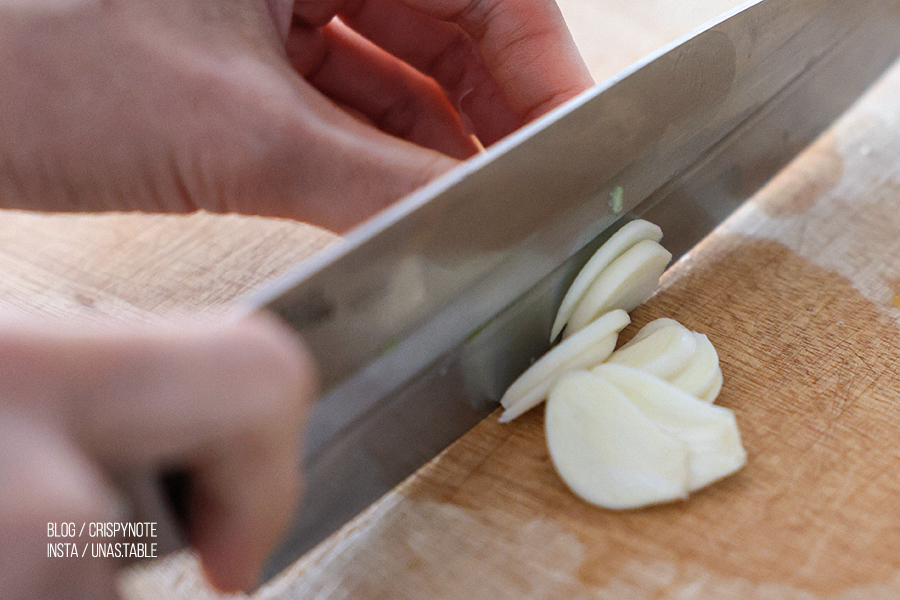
<point>665,352</point>
<point>606,450</point>
<point>625,284</point>
<point>623,239</point>
<point>590,346</point>
<point>700,374</point>
<point>710,432</point>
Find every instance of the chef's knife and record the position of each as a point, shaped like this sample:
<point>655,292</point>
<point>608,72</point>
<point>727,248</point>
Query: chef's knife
<point>421,317</point>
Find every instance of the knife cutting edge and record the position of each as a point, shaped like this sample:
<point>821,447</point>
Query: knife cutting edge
<point>421,317</point>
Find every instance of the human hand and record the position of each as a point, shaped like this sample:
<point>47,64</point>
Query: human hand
<point>499,63</point>
<point>223,402</point>
<point>238,106</point>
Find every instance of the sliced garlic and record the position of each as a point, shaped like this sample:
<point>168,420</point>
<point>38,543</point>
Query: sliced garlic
<point>666,351</point>
<point>590,346</point>
<point>710,432</point>
<point>711,393</point>
<point>623,239</point>
<point>662,348</point>
<point>625,284</point>
<point>702,371</point>
<point>607,451</point>
<point>653,326</point>
<point>639,428</point>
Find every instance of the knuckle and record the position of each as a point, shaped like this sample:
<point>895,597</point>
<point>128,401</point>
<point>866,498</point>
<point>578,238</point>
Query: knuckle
<point>453,64</point>
<point>284,380</point>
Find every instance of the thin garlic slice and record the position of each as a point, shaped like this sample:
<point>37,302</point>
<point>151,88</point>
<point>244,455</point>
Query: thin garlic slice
<point>590,346</point>
<point>607,451</point>
<point>711,393</point>
<point>665,352</point>
<point>653,326</point>
<point>710,432</point>
<point>623,239</point>
<point>702,372</point>
<point>625,284</point>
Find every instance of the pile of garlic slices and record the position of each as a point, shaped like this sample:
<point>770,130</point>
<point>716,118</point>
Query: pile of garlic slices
<point>635,426</point>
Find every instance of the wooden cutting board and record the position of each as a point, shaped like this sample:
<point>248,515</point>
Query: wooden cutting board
<point>796,293</point>
<point>795,290</point>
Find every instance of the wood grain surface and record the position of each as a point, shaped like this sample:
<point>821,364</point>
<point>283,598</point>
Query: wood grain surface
<point>795,290</point>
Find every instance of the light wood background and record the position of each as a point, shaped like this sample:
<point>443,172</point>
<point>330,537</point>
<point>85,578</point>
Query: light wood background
<point>795,290</point>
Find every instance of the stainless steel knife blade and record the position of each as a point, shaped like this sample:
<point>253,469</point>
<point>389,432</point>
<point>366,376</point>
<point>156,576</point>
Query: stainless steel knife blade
<point>422,316</point>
